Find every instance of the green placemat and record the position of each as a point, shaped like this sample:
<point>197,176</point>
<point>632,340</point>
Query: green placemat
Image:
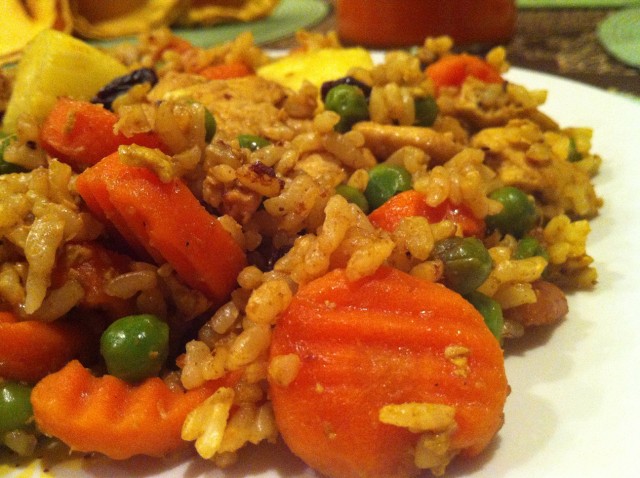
<point>576,3</point>
<point>287,18</point>
<point>619,34</point>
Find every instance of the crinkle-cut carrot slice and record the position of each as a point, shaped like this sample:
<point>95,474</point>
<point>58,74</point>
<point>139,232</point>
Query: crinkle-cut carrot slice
<point>387,339</point>
<point>110,416</point>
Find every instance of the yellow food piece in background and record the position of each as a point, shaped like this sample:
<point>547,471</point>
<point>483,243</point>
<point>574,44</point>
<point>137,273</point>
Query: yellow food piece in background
<point>21,21</point>
<point>316,66</point>
<point>208,12</point>
<point>114,18</point>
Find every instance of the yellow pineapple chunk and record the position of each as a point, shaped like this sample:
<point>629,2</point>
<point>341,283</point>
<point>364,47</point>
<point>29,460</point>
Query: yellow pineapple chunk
<point>55,64</point>
<point>316,66</point>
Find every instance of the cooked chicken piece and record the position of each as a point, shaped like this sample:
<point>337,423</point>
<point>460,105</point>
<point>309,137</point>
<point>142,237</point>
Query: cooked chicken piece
<point>247,105</point>
<point>383,140</point>
<point>240,203</point>
<point>481,105</point>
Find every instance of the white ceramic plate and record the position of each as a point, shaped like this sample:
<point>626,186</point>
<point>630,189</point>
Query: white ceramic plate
<point>573,410</point>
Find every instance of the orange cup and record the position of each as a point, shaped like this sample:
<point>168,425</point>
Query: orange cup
<point>397,23</point>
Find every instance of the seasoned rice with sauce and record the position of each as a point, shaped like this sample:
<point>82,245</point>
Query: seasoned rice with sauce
<point>279,203</point>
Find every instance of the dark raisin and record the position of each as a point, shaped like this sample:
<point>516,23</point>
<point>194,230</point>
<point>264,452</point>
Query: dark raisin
<point>262,169</point>
<point>122,84</point>
<point>347,80</point>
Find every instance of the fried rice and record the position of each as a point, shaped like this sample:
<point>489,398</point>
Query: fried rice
<point>279,203</point>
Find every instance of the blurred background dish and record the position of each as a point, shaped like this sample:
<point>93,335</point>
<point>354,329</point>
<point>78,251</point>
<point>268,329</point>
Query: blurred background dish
<point>203,23</point>
<point>288,17</point>
<point>116,18</point>
<point>392,23</point>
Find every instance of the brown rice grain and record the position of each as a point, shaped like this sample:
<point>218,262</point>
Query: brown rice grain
<point>128,284</point>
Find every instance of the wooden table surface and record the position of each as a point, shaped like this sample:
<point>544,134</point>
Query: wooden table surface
<point>559,41</point>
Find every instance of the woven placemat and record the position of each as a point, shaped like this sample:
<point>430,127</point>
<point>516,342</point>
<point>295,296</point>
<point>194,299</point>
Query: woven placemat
<point>576,3</point>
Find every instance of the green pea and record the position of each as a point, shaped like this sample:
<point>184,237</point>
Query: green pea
<point>252,141</point>
<point>573,154</point>
<point>210,125</point>
<point>385,181</point>
<point>467,263</point>
<point>426,110</point>
<point>350,103</point>
<point>354,196</point>
<point>135,347</point>
<point>15,406</point>
<point>5,166</point>
<point>530,247</point>
<point>518,214</point>
<point>490,310</point>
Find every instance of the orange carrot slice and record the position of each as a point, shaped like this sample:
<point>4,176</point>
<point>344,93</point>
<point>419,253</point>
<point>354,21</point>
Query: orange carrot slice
<point>453,70</point>
<point>225,71</point>
<point>93,266</point>
<point>179,45</point>
<point>93,185</point>
<point>167,221</point>
<point>413,203</point>
<point>81,133</point>
<point>112,417</point>
<point>31,349</point>
<point>386,339</point>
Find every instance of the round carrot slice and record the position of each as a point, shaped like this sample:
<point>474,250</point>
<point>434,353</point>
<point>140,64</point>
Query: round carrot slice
<point>363,354</point>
